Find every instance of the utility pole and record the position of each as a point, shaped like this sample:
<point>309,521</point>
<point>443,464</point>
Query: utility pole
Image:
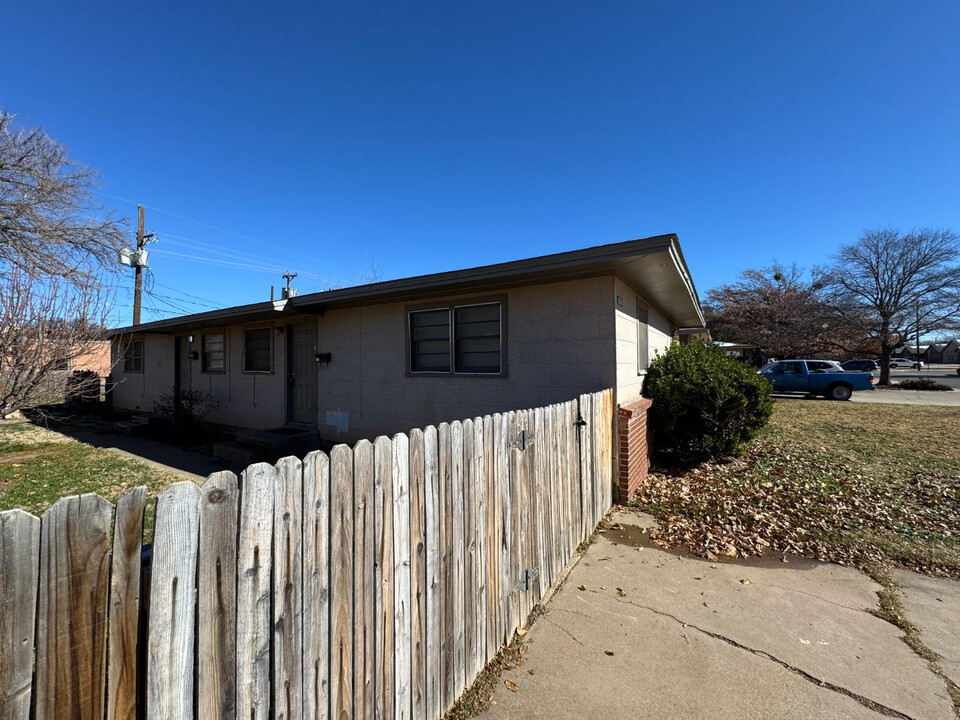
<point>919,366</point>
<point>288,276</point>
<point>138,269</point>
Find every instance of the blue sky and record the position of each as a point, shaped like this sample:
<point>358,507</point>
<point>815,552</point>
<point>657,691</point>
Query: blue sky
<point>418,137</point>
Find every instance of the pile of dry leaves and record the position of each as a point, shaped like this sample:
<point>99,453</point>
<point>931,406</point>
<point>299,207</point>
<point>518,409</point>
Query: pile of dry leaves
<point>780,498</point>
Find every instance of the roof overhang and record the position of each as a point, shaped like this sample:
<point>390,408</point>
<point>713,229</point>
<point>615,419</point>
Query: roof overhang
<point>654,266</point>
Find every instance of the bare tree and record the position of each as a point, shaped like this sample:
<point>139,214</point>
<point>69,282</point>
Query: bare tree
<point>783,312</point>
<point>45,323</point>
<point>904,284</point>
<point>55,245</point>
<point>49,221</point>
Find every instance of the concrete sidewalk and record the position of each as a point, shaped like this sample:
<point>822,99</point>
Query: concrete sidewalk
<point>642,633</point>
<point>157,454</point>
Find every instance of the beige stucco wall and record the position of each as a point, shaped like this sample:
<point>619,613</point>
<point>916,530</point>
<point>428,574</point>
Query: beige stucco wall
<point>560,342</point>
<point>562,339</point>
<point>253,400</point>
<point>628,328</point>
<point>138,391</point>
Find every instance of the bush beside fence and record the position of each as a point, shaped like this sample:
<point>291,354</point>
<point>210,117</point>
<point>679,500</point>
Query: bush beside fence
<point>375,582</point>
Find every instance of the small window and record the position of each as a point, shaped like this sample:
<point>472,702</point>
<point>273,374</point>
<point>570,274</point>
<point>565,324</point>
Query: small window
<point>458,339</point>
<point>133,357</point>
<point>643,341</point>
<point>793,368</point>
<point>257,350</point>
<point>214,353</point>
<point>477,346</point>
<point>430,341</point>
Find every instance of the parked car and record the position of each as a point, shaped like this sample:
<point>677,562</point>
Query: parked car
<point>861,365</point>
<point>906,363</point>
<point>812,378</point>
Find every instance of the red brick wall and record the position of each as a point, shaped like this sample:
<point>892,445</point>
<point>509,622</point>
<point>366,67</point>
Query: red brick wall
<point>634,458</point>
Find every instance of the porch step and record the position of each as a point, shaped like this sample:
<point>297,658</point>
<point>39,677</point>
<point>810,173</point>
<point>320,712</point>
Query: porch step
<point>242,452</point>
<point>281,442</point>
<point>134,426</point>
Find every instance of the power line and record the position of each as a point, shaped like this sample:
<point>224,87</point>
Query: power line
<point>201,223</point>
<point>218,261</point>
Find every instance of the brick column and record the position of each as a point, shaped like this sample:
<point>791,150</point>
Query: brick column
<point>634,460</point>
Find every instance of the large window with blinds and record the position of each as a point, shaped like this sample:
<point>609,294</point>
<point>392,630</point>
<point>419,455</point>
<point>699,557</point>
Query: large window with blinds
<point>457,339</point>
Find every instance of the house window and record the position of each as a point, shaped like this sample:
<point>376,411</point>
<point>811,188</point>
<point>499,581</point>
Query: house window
<point>477,339</point>
<point>133,357</point>
<point>257,350</point>
<point>214,358</point>
<point>643,340</point>
<point>459,339</point>
<point>430,341</point>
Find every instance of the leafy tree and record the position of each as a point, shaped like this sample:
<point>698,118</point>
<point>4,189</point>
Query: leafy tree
<point>900,285</point>
<point>784,313</point>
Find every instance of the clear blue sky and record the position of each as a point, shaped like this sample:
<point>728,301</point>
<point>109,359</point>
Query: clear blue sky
<point>420,137</point>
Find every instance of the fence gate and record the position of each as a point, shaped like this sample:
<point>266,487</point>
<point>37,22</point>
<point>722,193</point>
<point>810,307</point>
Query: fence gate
<point>374,582</point>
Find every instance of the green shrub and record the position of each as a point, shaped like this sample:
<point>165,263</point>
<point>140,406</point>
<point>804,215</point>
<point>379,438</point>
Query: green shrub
<point>922,384</point>
<point>705,404</point>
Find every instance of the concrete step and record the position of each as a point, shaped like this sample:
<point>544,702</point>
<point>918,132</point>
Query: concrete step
<point>133,426</point>
<point>282,442</point>
<point>241,452</point>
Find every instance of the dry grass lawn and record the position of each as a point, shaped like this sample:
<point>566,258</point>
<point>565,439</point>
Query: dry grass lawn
<point>39,466</point>
<point>851,483</point>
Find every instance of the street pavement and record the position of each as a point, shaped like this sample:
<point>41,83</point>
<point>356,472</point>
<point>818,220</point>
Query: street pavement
<point>639,632</point>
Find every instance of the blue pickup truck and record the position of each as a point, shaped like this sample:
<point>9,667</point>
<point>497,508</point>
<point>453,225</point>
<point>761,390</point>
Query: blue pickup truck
<point>816,377</point>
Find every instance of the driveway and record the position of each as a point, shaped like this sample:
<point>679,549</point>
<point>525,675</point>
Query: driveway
<point>639,632</point>
<point>909,397</point>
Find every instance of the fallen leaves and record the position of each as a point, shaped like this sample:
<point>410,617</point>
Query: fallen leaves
<point>806,501</point>
<point>511,685</point>
<point>621,593</point>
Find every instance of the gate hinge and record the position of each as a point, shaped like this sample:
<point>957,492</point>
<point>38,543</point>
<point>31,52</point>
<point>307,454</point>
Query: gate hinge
<point>526,580</point>
<point>524,438</point>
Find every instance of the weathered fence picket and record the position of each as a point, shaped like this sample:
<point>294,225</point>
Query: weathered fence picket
<point>316,586</point>
<point>371,583</point>
<point>384,577</point>
<point>254,570</point>
<point>364,632</point>
<point>217,597</point>
<point>72,609</point>
<point>125,606</point>
<point>19,568</point>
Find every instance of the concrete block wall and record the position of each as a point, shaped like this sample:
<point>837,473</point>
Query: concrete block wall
<point>635,444</point>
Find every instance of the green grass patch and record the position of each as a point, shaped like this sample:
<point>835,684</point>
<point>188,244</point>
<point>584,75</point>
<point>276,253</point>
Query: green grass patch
<point>855,484</point>
<point>39,466</point>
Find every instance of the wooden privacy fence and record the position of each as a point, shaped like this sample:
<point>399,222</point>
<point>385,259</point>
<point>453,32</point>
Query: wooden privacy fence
<point>375,582</point>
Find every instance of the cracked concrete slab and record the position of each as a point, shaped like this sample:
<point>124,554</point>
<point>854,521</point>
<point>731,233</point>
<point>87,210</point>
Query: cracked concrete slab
<point>668,635</point>
<point>933,605</point>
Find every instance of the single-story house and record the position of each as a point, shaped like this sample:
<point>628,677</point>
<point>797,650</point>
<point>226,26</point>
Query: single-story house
<point>389,356</point>
<point>947,352</point>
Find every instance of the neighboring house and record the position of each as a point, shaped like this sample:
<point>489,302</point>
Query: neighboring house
<point>389,356</point>
<point>686,335</point>
<point>951,352</point>
<point>744,352</point>
<point>934,353</point>
<point>96,358</point>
